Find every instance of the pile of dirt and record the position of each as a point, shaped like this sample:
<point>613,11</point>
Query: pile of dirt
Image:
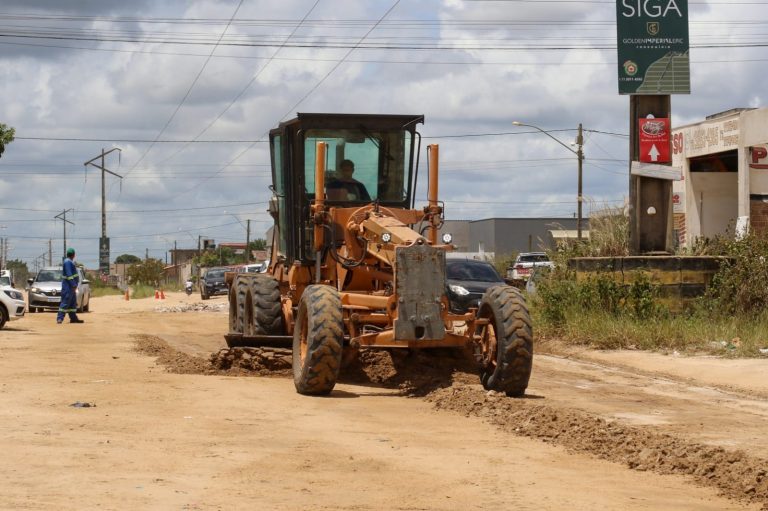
<point>414,372</point>
<point>231,362</point>
<point>734,473</point>
<point>253,361</point>
<point>173,360</point>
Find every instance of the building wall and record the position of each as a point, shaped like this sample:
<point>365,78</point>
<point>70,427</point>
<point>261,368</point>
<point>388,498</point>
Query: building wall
<point>459,229</point>
<point>504,236</point>
<point>725,198</point>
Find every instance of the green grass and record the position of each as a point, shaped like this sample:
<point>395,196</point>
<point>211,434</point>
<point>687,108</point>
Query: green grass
<point>740,336</point>
<point>97,292</point>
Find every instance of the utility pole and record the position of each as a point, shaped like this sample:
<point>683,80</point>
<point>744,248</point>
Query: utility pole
<point>146,254</point>
<point>104,241</point>
<point>248,242</point>
<point>580,156</point>
<point>50,252</point>
<point>63,217</point>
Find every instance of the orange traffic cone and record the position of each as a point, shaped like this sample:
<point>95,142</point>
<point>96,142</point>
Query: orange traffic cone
<point>157,294</point>
<point>126,295</point>
<point>162,295</point>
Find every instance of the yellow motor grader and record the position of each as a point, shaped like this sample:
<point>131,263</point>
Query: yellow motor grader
<point>355,265</point>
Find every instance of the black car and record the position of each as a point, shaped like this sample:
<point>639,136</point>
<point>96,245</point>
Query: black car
<point>213,283</point>
<point>467,281</point>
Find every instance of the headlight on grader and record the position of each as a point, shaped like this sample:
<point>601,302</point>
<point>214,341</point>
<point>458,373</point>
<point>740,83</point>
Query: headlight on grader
<point>386,237</point>
<point>447,238</point>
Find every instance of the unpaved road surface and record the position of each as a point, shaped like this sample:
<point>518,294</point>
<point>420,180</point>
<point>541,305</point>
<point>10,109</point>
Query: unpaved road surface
<point>407,432</point>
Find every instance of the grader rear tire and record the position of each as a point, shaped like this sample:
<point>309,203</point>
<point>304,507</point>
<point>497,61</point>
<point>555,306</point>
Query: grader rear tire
<point>507,341</point>
<point>317,341</point>
<point>239,310</point>
<point>267,316</point>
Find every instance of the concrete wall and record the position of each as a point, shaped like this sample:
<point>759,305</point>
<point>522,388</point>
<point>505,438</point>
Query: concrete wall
<point>715,200</point>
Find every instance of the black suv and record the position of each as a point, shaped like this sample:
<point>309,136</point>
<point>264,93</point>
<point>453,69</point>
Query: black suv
<point>213,283</point>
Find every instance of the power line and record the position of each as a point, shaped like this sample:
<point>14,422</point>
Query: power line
<point>248,85</point>
<point>304,97</point>
<point>189,90</point>
<point>140,210</point>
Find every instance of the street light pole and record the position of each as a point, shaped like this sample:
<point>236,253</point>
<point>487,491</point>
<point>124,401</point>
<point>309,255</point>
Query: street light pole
<point>580,155</point>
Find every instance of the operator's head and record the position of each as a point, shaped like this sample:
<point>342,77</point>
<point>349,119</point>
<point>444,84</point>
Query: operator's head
<point>346,168</point>
<point>71,253</point>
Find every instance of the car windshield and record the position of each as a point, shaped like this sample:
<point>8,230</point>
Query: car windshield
<point>48,276</point>
<point>214,274</point>
<point>468,270</point>
<point>533,258</point>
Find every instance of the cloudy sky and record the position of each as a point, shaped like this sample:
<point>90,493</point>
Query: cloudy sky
<point>80,76</point>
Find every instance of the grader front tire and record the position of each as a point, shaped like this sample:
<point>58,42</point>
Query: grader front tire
<point>507,341</point>
<point>239,310</point>
<point>317,341</point>
<point>267,318</point>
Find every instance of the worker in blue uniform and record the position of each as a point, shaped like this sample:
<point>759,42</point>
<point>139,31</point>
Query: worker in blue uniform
<point>69,283</point>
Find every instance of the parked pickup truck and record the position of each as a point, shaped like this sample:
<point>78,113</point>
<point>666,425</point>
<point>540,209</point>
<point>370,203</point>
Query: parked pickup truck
<point>525,262</point>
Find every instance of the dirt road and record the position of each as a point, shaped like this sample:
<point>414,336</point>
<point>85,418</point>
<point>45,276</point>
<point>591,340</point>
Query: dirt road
<point>598,431</point>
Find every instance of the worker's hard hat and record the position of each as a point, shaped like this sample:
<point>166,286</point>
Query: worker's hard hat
<point>70,252</point>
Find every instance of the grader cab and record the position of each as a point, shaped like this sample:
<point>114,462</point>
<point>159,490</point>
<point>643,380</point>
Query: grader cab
<point>355,265</point>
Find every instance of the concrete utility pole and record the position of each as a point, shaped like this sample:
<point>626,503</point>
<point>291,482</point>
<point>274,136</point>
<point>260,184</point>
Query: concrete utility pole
<point>248,242</point>
<point>63,217</point>
<point>50,252</point>
<point>580,155</point>
<point>104,241</point>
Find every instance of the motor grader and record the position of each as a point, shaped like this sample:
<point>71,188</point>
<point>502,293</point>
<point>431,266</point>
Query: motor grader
<point>352,270</point>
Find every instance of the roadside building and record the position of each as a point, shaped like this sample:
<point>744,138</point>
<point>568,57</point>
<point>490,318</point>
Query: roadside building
<point>724,161</point>
<point>504,236</point>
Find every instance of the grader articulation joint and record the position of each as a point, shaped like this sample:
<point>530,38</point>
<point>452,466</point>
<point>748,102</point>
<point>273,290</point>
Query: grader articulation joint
<point>355,265</point>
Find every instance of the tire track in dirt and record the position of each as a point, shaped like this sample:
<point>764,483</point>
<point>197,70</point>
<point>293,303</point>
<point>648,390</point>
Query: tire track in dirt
<point>446,379</point>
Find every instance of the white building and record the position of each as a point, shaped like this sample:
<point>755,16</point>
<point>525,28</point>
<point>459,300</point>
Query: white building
<point>725,175</point>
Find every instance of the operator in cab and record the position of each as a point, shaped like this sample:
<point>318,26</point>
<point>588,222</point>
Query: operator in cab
<point>346,187</point>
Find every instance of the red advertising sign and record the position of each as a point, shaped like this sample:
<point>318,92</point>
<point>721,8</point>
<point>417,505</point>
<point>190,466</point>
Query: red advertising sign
<point>654,140</point>
<point>758,157</point>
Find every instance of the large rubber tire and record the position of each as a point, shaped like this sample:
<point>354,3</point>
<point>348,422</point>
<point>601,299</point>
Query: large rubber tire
<point>267,317</point>
<point>317,340</point>
<point>3,316</point>
<point>507,366</point>
<point>239,309</point>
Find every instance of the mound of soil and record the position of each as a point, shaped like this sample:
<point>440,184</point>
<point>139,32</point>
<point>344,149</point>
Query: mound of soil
<point>173,360</point>
<point>414,372</point>
<point>253,361</point>
<point>734,473</point>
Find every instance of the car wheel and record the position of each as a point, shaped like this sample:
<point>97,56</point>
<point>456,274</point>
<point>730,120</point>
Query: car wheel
<point>3,316</point>
<point>87,306</point>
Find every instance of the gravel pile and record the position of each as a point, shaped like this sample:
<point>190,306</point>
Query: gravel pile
<point>194,307</point>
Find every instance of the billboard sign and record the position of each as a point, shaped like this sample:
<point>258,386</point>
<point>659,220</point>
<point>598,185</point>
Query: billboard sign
<point>652,41</point>
<point>104,256</point>
<point>654,140</point>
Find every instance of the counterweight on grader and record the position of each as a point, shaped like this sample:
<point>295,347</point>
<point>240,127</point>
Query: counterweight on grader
<point>354,265</point>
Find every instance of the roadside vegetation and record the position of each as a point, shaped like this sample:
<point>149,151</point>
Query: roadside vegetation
<point>730,319</point>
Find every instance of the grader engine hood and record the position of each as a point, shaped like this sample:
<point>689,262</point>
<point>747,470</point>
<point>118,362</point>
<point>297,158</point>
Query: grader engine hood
<point>420,286</point>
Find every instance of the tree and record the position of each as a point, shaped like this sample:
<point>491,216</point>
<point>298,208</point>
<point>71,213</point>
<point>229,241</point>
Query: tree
<point>148,272</point>
<point>6,136</point>
<point>19,270</point>
<point>127,259</point>
<point>259,244</point>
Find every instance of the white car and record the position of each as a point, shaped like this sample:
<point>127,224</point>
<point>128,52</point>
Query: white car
<point>12,305</point>
<point>525,262</point>
<point>45,290</point>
